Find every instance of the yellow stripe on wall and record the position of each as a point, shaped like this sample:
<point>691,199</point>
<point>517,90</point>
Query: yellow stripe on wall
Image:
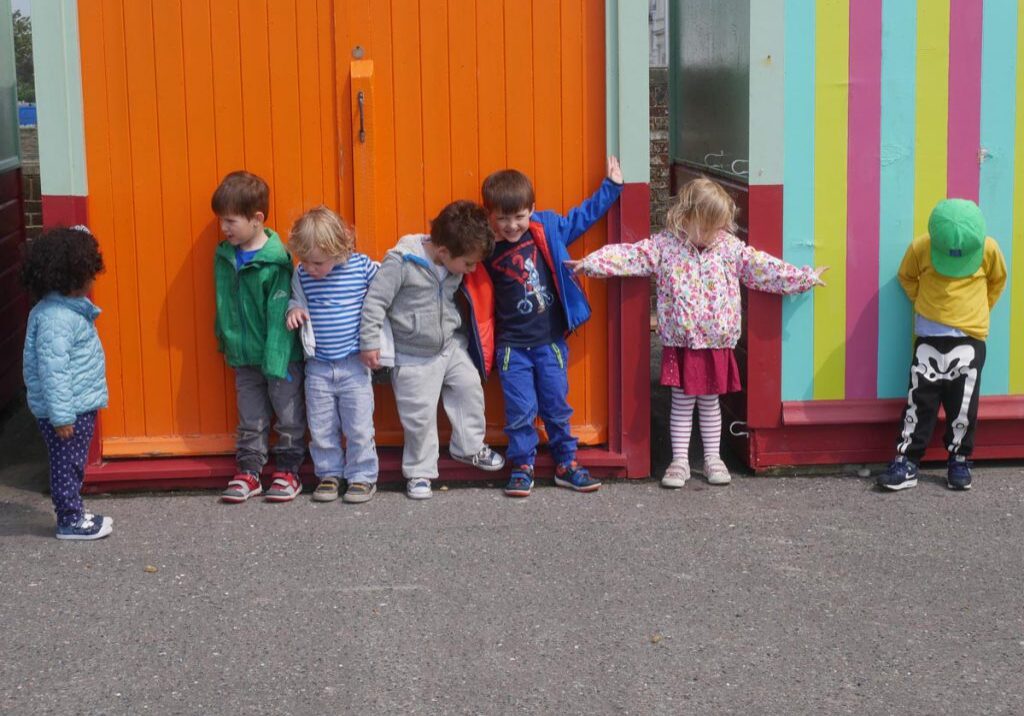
<point>1017,255</point>
<point>832,81</point>
<point>932,104</point>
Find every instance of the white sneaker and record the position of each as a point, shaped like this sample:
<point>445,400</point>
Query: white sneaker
<point>715,471</point>
<point>676,475</point>
<point>418,488</point>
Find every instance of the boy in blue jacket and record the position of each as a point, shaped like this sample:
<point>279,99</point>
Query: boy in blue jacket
<point>537,303</point>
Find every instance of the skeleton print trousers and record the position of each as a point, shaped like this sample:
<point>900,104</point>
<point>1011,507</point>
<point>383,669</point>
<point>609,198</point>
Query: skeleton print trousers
<point>945,371</point>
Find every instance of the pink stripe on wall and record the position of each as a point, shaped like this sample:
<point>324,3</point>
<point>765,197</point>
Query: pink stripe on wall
<point>963,173</point>
<point>863,198</point>
<point>863,179</point>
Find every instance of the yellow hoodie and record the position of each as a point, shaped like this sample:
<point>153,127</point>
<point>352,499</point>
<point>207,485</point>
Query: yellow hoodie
<point>962,303</point>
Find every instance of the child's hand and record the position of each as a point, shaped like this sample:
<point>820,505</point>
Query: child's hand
<point>614,170</point>
<point>575,266</point>
<point>296,317</point>
<point>371,359</point>
<point>64,432</point>
<point>817,275</point>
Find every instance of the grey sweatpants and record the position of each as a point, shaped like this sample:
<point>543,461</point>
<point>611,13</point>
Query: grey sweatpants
<point>451,377</point>
<point>260,399</point>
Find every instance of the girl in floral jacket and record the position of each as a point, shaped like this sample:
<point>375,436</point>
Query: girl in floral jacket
<point>699,265</point>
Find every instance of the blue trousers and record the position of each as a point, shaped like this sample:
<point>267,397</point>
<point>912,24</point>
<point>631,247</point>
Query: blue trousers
<point>67,466</point>
<point>535,381</point>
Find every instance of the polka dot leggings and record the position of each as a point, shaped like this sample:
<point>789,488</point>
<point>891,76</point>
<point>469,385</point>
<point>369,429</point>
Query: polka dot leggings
<point>67,466</point>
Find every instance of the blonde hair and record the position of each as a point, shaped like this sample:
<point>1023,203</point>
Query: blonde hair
<point>322,229</point>
<point>702,206</point>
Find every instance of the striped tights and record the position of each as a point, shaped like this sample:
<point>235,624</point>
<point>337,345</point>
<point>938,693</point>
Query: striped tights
<point>681,424</point>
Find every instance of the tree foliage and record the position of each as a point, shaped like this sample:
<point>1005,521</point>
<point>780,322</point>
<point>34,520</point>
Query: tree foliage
<point>23,67</point>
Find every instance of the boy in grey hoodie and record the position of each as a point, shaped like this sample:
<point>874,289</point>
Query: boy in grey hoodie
<point>415,289</point>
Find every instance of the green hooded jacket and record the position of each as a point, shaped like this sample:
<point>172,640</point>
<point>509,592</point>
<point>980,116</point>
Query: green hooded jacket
<point>251,307</point>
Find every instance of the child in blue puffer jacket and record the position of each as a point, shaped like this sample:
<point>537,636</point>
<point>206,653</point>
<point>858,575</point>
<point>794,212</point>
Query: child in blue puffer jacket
<point>64,367</point>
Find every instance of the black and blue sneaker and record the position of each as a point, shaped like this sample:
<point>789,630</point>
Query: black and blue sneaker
<point>576,478</point>
<point>520,482</point>
<point>900,475</point>
<point>958,473</point>
<point>88,527</point>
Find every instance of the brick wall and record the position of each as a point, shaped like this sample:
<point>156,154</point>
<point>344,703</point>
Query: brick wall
<point>31,186</point>
<point>660,169</point>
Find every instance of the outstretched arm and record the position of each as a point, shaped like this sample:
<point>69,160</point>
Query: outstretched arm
<point>764,272</point>
<point>639,259</point>
<point>574,224</point>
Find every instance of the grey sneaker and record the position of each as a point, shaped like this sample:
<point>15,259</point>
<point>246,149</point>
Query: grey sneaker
<point>359,492</point>
<point>418,488</point>
<point>486,459</point>
<point>327,490</point>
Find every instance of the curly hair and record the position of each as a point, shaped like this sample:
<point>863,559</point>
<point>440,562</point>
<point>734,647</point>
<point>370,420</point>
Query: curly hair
<point>462,228</point>
<point>320,229</point>
<point>62,260</point>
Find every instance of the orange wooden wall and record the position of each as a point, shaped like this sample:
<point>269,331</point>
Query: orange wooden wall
<point>178,93</point>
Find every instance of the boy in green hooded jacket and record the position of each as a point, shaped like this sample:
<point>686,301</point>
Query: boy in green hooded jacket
<point>253,271</point>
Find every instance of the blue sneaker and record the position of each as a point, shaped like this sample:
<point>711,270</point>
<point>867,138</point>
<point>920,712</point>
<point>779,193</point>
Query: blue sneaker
<point>88,527</point>
<point>958,473</point>
<point>900,475</point>
<point>576,478</point>
<point>520,482</point>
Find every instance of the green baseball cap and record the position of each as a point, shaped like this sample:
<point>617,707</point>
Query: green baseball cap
<point>957,231</point>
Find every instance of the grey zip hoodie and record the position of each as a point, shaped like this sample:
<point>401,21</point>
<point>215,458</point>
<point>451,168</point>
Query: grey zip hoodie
<point>407,292</point>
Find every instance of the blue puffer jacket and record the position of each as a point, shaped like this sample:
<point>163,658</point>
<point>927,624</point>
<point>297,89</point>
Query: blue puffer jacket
<point>65,371</point>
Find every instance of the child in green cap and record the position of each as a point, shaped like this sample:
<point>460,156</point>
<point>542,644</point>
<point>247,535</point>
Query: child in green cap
<point>953,276</point>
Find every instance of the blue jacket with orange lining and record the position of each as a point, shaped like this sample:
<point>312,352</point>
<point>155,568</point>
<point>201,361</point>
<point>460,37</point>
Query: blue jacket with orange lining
<point>553,234</point>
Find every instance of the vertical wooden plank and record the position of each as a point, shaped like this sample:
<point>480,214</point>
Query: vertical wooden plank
<point>462,63</point>
<point>329,156</point>
<point>256,114</point>
<point>381,49</point>
<point>284,110</point>
<point>146,186</point>
<point>230,129</point>
<point>437,145</point>
<point>179,301</point>
<point>490,52</point>
<point>123,219</point>
<point>311,148</point>
<point>572,102</point>
<point>595,334</point>
<point>547,92</point>
<point>202,149</point>
<point>100,204</point>
<point>1015,292</point>
<point>409,109</point>
<point>519,76</point>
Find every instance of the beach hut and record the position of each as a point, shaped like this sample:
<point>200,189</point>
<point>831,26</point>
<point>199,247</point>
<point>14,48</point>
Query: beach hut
<point>838,124</point>
<point>13,300</point>
<point>384,111</point>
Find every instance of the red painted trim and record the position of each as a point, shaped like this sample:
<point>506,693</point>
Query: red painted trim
<point>763,380</point>
<point>215,471</point>
<point>630,338</point>
<point>64,210</point>
<point>863,180</point>
<point>847,412</point>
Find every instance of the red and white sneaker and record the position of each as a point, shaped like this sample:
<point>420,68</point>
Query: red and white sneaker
<point>284,488</point>
<point>242,487</point>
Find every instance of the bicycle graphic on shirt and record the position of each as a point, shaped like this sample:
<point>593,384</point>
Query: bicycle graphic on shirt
<point>520,264</point>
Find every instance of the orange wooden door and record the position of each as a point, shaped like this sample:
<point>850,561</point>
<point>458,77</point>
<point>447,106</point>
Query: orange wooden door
<point>177,93</point>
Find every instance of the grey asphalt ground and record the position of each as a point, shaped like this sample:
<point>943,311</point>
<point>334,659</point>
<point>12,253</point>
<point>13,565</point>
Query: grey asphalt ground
<point>782,595</point>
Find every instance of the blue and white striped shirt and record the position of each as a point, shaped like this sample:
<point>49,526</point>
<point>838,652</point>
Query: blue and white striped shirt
<point>336,303</point>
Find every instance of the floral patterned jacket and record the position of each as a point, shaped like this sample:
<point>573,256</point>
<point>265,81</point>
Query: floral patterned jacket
<point>699,289</point>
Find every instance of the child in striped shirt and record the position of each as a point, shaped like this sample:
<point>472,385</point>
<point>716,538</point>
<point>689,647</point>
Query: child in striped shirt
<point>328,289</point>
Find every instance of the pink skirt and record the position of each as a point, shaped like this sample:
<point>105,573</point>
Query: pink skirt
<point>703,371</point>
